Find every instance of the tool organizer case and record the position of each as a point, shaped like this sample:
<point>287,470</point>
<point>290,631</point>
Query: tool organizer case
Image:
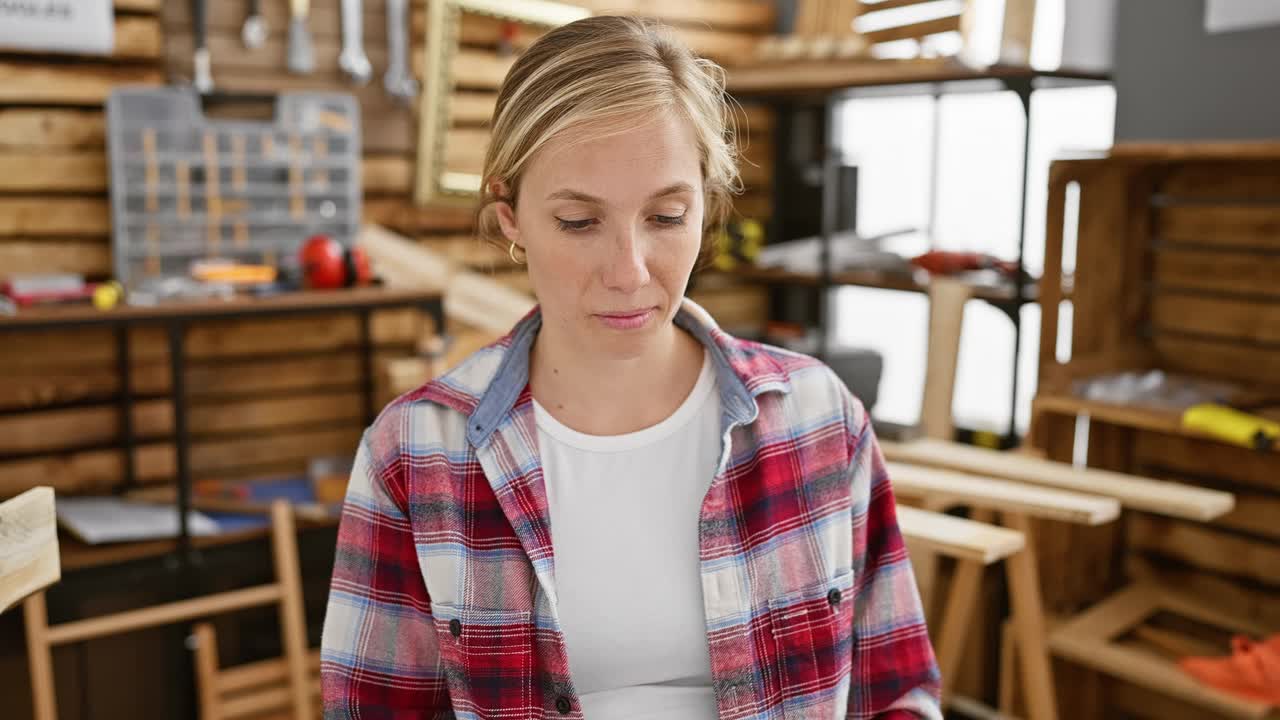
<point>186,187</point>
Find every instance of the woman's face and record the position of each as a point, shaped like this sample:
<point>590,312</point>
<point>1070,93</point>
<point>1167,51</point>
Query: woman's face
<point>611,228</point>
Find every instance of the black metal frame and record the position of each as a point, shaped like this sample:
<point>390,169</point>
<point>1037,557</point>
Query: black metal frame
<point>176,326</point>
<point>1022,85</point>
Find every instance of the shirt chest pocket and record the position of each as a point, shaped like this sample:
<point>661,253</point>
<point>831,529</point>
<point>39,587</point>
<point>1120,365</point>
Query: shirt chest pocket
<point>812,632</point>
<point>488,659</point>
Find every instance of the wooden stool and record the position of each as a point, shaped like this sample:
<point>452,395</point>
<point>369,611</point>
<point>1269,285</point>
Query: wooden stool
<point>28,545</point>
<point>974,546</point>
<point>261,690</point>
<point>286,592</point>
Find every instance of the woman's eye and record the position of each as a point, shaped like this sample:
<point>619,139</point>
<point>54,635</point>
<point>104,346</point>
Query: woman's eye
<point>574,225</point>
<point>669,219</point>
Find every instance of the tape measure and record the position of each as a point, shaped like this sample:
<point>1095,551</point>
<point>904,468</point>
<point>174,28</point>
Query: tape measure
<point>1231,425</point>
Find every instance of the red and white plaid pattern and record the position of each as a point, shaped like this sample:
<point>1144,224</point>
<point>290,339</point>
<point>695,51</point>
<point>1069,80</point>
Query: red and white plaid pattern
<point>443,597</point>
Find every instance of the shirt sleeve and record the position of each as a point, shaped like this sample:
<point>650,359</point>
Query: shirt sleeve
<point>895,675</point>
<point>379,653</point>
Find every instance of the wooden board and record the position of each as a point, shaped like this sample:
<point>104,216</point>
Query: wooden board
<point>1253,321</point>
<point>1206,458</point>
<point>31,129</point>
<point>1132,491</point>
<point>1206,548</point>
<point>1002,495</point>
<point>37,171</point>
<point>1219,357</point>
<point>1089,639</point>
<point>1218,272</point>
<point>90,257</point>
<point>28,545</point>
<point>71,84</point>
<point>1229,226</point>
<point>53,216</point>
<point>49,431</point>
<point>956,537</point>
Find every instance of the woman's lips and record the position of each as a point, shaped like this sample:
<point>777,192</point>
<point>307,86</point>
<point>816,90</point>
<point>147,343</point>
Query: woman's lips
<point>626,320</point>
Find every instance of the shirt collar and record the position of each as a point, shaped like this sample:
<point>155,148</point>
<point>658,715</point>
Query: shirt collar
<point>742,371</point>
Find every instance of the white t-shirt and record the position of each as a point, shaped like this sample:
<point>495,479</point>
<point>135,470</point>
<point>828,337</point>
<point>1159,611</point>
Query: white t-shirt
<point>624,529</point>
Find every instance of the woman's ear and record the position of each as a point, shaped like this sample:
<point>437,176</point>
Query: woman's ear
<point>506,214</point>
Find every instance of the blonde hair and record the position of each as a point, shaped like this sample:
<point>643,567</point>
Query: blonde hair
<point>604,75</point>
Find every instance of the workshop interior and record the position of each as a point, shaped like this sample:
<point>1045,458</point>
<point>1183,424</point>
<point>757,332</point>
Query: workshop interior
<point>1039,240</point>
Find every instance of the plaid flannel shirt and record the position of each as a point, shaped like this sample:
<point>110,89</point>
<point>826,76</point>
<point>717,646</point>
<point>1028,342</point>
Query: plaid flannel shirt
<point>443,598</point>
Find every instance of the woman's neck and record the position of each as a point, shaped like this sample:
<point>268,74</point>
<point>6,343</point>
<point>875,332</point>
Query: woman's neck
<point>601,395</point>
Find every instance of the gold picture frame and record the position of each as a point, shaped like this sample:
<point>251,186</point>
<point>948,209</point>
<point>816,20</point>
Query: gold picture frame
<point>436,182</point>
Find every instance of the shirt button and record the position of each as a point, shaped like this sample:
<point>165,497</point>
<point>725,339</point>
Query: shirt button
<point>455,627</point>
<point>563,705</point>
<point>834,596</point>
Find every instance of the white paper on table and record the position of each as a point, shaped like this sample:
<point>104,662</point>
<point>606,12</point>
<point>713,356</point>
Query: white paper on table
<point>107,519</point>
<point>72,26</point>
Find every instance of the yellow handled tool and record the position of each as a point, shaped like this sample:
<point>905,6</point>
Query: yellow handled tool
<point>1233,426</point>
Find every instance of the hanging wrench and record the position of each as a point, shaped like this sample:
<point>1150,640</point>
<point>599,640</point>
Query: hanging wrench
<point>254,31</point>
<point>398,81</point>
<point>352,60</point>
<point>201,65</point>
<point>301,57</point>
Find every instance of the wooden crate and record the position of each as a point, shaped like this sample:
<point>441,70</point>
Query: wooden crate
<point>1176,266</point>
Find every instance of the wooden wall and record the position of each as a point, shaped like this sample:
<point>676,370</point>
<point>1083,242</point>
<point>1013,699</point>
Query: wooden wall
<point>267,395</point>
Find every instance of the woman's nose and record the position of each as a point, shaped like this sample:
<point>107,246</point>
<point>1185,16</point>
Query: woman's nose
<point>627,268</point>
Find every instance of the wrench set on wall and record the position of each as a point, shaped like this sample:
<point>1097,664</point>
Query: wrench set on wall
<point>398,80</point>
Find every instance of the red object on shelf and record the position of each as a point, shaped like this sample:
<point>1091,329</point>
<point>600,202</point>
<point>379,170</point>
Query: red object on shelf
<point>947,262</point>
<point>52,296</point>
<point>1251,671</point>
<point>327,265</point>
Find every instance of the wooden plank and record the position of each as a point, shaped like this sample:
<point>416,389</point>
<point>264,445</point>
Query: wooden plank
<point>464,149</point>
<point>1218,357</point>
<point>138,6</point>
<point>43,171</point>
<point>29,551</point>
<point>387,174</point>
<point>1204,150</point>
<point>46,216</point>
<point>1081,640</point>
<point>52,430</point>
<point>1230,595</point>
<point>921,29</point>
<point>405,217</point>
<point>724,47</point>
<point>472,108</point>
<point>1132,491</point>
<point>1206,458</point>
<point>1233,179</point>
<point>1219,317</point>
<point>1002,495</point>
<point>223,339</point>
<point>70,84</point>
<point>467,250</point>
<point>223,455</point>
<point>29,129</point>
<point>137,38</point>
<point>754,15</point>
<point>958,538</point>
<point>1206,548</point>
<point>947,299</point>
<point>91,258</point>
<point>101,471</point>
<point>1238,226</point>
<point>1220,272</point>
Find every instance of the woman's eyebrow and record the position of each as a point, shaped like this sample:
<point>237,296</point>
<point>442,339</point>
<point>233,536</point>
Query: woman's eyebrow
<point>568,194</point>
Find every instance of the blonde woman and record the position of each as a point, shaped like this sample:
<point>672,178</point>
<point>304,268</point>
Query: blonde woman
<point>619,510</point>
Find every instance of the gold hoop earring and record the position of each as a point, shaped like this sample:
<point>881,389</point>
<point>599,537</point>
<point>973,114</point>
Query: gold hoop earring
<point>512,252</point>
